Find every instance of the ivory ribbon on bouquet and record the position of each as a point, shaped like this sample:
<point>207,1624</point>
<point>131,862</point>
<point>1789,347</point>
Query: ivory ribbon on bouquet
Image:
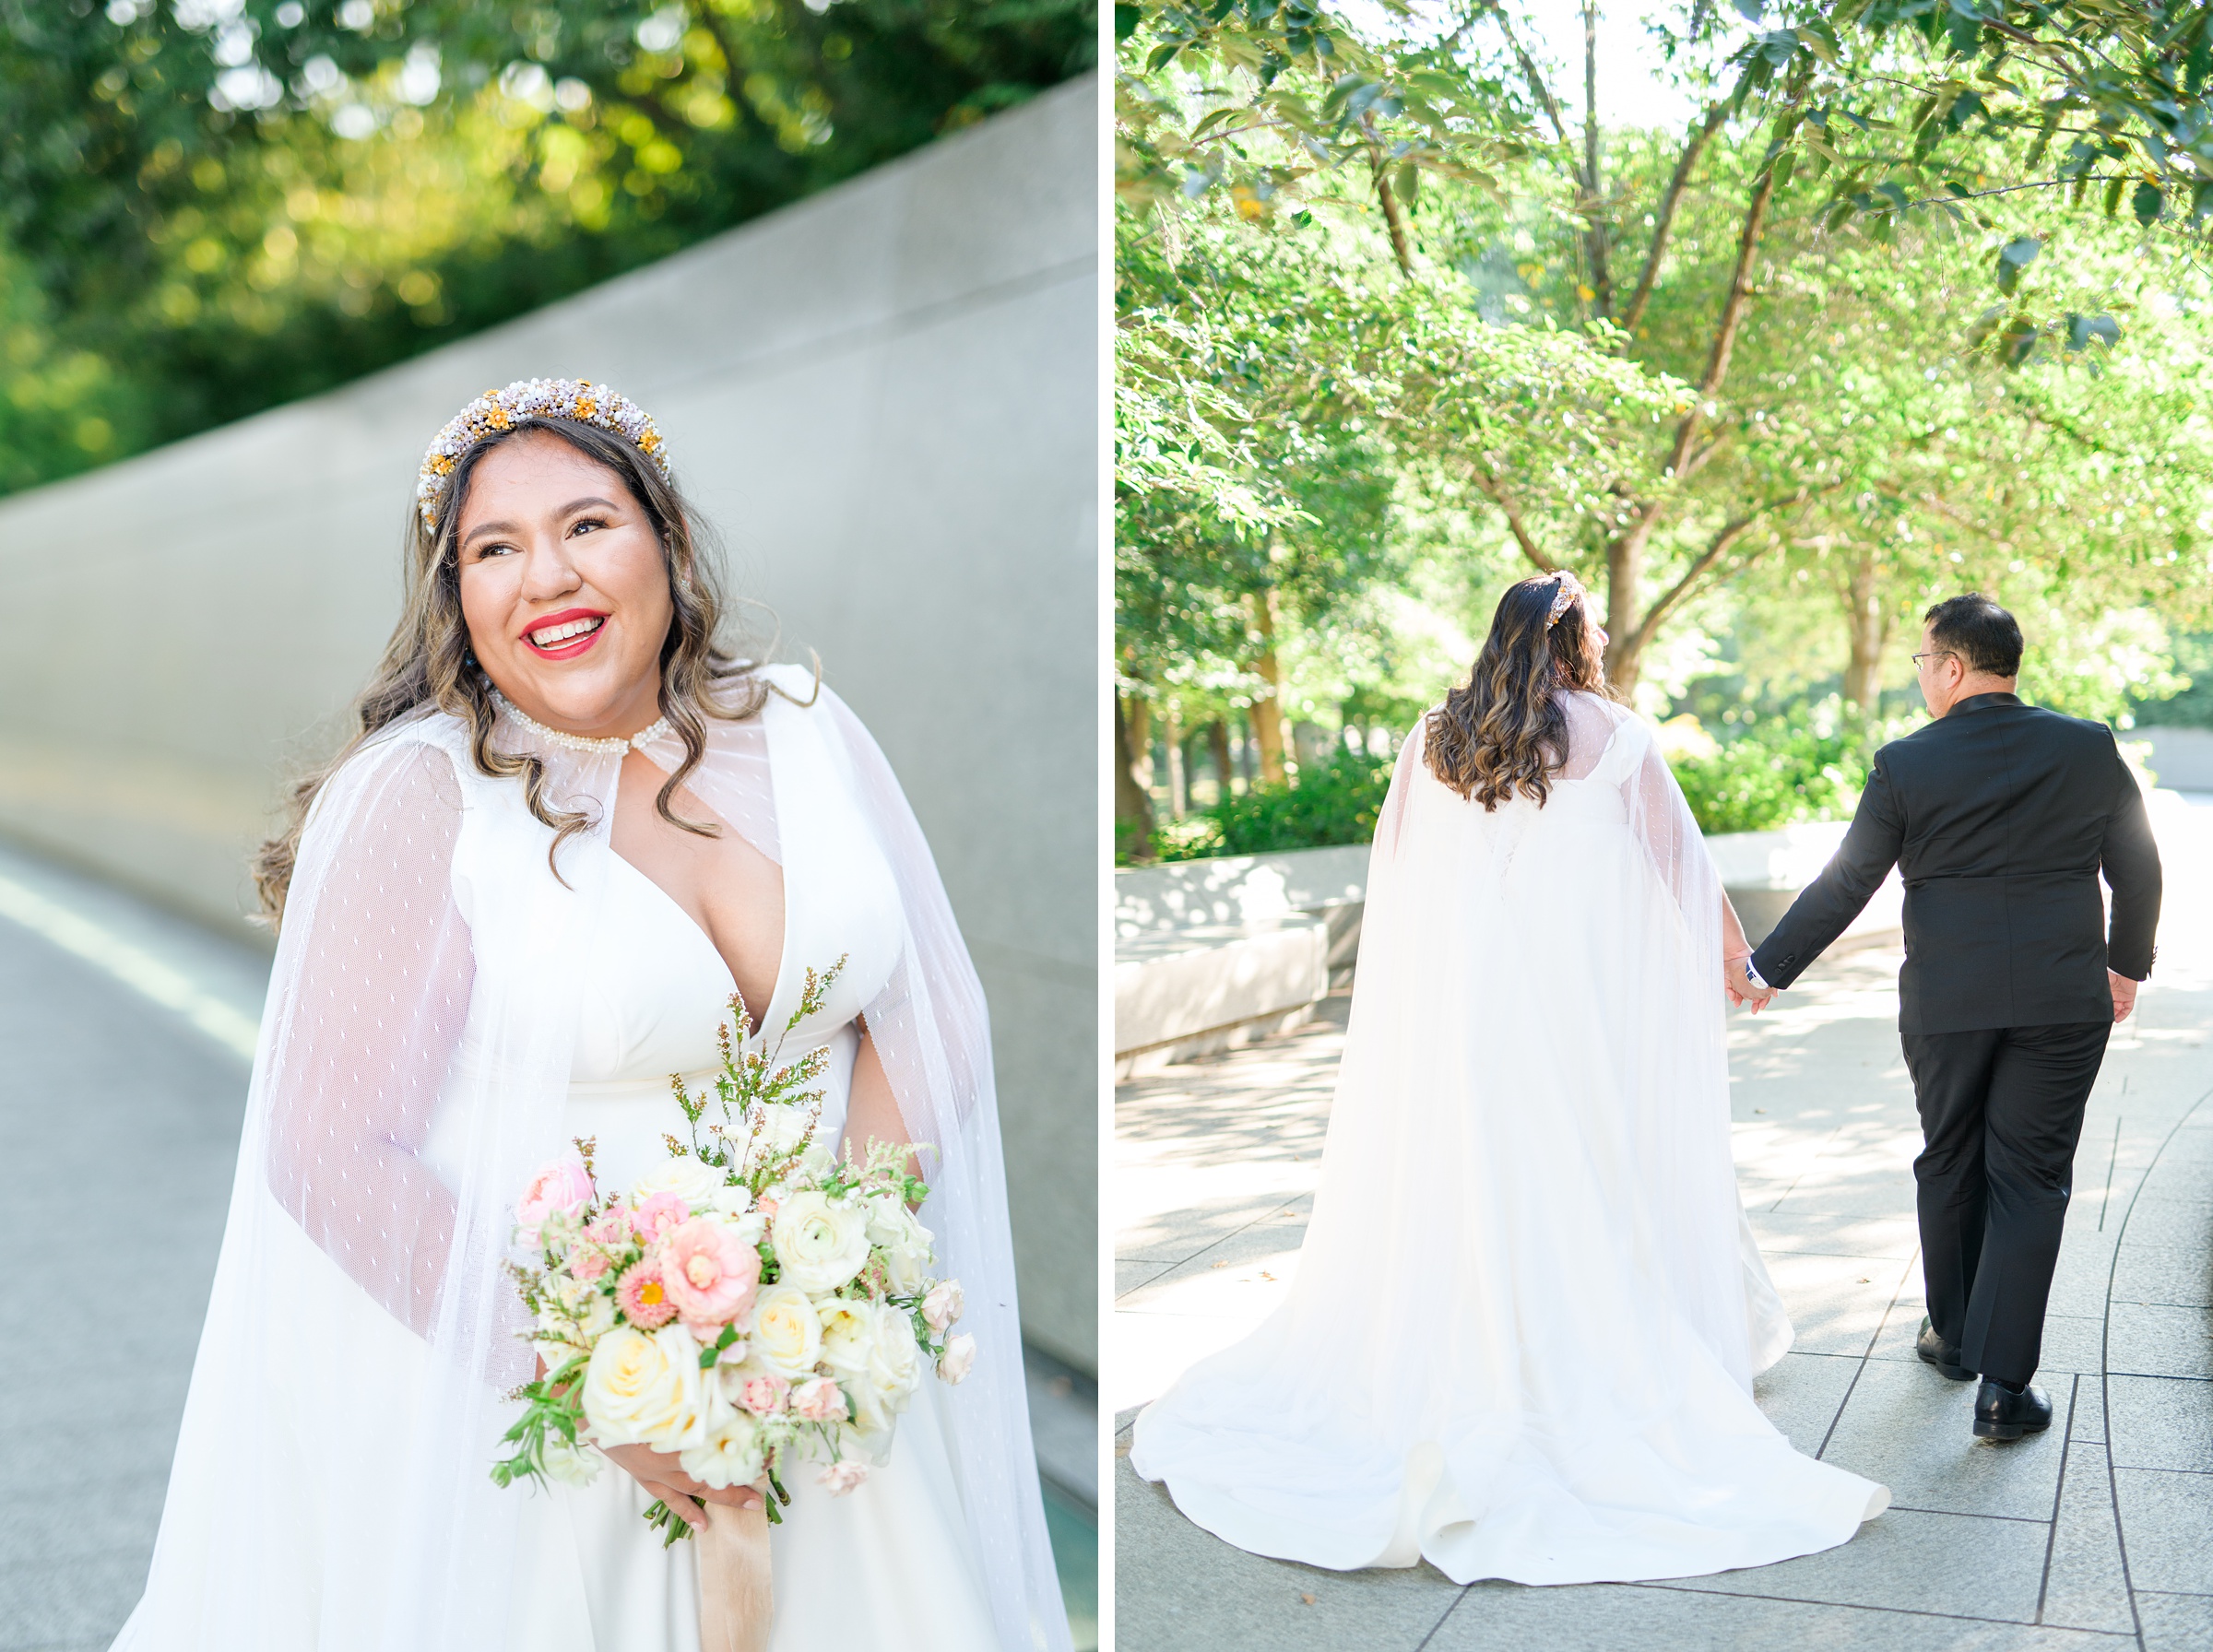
<point>737,1595</point>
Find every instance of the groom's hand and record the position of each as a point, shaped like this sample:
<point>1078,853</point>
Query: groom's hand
<point>1739,986</point>
<point>2125,995</point>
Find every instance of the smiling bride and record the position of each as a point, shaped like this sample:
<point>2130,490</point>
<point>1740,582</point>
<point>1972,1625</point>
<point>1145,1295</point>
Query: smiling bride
<point>569,827</point>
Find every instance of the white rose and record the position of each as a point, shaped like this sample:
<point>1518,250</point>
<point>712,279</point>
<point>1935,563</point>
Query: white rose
<point>731,1201</point>
<point>820,1244</point>
<point>783,1125</point>
<point>730,1456</point>
<point>958,1357</point>
<point>907,1268</point>
<point>943,1303</point>
<point>886,1217</point>
<point>848,1335</point>
<point>645,1390</point>
<point>697,1185</point>
<point>571,1465</point>
<point>788,1334</point>
<point>895,1361</point>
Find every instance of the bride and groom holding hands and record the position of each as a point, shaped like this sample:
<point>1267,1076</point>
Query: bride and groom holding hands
<point>1528,1311</point>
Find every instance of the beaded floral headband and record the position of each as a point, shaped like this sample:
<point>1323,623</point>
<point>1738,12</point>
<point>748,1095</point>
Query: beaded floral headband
<point>1569,589</point>
<point>498,410</point>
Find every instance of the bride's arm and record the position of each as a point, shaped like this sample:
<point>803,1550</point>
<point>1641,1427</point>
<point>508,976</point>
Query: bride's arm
<point>375,972</point>
<point>872,1110</point>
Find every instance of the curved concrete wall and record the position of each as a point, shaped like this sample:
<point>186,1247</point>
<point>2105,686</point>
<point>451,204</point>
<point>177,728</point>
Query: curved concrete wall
<point>886,398</point>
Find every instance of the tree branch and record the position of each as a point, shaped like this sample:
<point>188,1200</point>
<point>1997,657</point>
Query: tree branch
<point>1731,532</point>
<point>1495,490</point>
<point>1740,294</point>
<point>1392,219</point>
<point>1665,217</point>
<point>1531,73</point>
<point>1594,222</point>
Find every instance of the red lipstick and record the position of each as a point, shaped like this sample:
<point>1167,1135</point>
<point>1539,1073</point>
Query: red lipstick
<point>569,647</point>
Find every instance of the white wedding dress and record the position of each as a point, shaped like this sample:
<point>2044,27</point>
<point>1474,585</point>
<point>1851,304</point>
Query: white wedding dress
<point>1522,1335</point>
<point>887,1565</point>
<point>456,995</point>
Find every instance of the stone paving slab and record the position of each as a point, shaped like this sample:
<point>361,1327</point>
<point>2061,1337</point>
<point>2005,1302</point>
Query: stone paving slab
<point>2099,1533</point>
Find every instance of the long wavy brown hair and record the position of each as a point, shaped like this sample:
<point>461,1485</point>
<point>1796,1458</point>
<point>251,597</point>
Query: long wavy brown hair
<point>428,660</point>
<point>1506,730</point>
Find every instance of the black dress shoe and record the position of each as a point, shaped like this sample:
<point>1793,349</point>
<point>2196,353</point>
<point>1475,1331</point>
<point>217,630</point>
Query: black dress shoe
<point>2001,1414</point>
<point>1930,1347</point>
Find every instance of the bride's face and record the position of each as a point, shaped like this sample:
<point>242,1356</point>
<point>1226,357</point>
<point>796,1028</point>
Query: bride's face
<point>563,587</point>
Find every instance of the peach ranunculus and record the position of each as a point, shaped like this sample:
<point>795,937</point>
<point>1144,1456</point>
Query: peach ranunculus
<point>655,1218</point>
<point>710,1272</point>
<point>819,1401</point>
<point>840,1478</point>
<point>563,1185</point>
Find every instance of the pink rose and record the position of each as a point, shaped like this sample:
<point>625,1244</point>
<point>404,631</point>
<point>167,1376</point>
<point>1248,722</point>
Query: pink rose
<point>840,1478</point>
<point>656,1216</point>
<point>959,1355</point>
<point>764,1395</point>
<point>564,1185</point>
<point>820,1402</point>
<point>943,1303</point>
<point>642,1295</point>
<point>710,1271</point>
<point>588,1262</point>
<point>610,1228</point>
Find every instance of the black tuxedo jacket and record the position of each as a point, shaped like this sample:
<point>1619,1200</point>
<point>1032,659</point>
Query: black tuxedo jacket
<point>1999,817</point>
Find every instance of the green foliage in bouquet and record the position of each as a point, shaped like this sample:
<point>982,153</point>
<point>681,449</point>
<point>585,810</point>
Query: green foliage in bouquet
<point>610,1263</point>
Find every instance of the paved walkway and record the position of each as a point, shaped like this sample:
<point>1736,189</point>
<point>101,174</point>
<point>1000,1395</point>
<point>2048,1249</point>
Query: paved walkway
<point>2099,1534</point>
<point>128,1035</point>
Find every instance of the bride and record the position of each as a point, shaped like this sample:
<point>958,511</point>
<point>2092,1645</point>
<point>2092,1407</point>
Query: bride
<point>1522,1334</point>
<point>568,828</point>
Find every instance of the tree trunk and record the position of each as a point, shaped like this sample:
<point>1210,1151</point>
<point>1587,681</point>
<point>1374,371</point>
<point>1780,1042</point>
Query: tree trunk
<point>1867,620</point>
<point>1217,746</point>
<point>1267,714</point>
<point>1133,808</point>
<point>1171,736</point>
<point>1624,608</point>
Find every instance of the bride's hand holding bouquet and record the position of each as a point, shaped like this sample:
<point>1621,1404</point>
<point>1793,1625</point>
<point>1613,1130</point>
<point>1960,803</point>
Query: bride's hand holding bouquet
<point>754,1302</point>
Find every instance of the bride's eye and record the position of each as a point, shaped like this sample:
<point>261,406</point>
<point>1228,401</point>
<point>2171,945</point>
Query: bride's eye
<point>585,525</point>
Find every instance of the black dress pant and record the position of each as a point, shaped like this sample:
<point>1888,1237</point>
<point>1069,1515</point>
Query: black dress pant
<point>2000,1113</point>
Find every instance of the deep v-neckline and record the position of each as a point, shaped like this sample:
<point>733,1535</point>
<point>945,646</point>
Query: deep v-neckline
<point>776,993</point>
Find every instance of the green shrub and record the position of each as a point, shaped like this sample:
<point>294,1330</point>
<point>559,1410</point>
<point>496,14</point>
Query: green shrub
<point>1802,764</point>
<point>1336,802</point>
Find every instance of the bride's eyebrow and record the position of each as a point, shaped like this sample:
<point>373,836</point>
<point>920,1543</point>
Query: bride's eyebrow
<point>580,504</point>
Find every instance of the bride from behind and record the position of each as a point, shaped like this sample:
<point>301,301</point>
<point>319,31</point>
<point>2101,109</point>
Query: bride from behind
<point>1522,1334</point>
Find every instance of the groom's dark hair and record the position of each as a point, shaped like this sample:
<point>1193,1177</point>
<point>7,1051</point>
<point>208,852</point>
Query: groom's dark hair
<point>1984,636</point>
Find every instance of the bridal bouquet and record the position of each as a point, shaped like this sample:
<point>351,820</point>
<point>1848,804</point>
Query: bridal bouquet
<point>753,1303</point>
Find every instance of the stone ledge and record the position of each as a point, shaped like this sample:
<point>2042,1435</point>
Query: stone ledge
<point>1186,992</point>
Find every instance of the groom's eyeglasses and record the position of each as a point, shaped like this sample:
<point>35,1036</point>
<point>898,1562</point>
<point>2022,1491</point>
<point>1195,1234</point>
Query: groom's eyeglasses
<point>1934,654</point>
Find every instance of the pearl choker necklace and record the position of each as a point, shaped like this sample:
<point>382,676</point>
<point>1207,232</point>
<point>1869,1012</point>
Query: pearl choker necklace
<point>577,742</point>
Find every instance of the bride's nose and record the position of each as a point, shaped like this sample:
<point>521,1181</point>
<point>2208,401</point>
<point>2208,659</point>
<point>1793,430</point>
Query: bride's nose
<point>548,572</point>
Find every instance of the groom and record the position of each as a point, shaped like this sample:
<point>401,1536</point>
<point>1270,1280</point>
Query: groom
<point>1999,817</point>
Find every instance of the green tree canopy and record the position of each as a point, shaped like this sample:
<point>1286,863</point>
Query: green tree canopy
<point>208,207</point>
